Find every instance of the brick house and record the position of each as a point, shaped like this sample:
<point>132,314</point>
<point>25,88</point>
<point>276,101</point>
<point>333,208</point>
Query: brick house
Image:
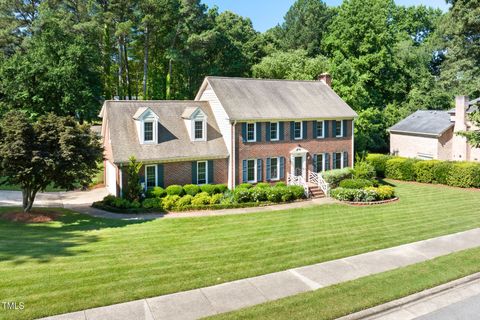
<point>236,130</point>
<point>431,134</point>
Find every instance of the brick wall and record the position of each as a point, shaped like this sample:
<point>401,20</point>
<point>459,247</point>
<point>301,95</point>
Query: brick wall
<point>266,149</point>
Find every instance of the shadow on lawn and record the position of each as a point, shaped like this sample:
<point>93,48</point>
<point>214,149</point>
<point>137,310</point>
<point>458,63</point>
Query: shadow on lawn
<point>20,243</point>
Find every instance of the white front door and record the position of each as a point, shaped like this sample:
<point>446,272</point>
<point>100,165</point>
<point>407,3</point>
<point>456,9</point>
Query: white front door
<point>298,165</point>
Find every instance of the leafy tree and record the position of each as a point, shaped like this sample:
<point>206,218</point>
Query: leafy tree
<point>371,131</point>
<point>134,188</point>
<point>473,136</point>
<point>54,150</point>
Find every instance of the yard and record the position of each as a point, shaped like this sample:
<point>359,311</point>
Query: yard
<point>81,262</point>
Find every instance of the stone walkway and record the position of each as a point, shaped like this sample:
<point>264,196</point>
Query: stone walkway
<point>235,295</point>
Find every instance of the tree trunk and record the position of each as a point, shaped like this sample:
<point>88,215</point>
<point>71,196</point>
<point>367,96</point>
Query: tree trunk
<point>169,80</point>
<point>106,62</point>
<point>145,65</point>
<point>28,197</point>
<point>120,70</point>
<point>127,72</point>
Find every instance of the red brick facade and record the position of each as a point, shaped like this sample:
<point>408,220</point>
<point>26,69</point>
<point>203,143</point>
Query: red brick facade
<point>267,149</point>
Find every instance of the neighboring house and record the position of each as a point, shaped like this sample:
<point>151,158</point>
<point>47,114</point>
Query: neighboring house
<point>431,134</point>
<point>257,130</point>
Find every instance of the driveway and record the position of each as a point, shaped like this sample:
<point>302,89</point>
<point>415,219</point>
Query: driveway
<point>68,199</point>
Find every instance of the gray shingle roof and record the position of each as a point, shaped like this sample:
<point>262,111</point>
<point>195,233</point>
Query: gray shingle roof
<point>174,141</point>
<point>261,99</point>
<point>427,122</point>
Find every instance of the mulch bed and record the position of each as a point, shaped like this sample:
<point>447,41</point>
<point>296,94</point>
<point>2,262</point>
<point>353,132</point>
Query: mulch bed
<point>31,217</point>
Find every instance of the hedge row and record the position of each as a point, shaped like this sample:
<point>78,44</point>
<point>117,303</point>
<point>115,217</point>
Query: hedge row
<point>456,174</point>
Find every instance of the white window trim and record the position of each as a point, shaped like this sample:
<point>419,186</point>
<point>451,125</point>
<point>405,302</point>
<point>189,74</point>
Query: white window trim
<point>323,129</point>
<point>278,131</point>
<point>323,161</point>
<point>341,129</point>
<point>156,175</point>
<point>255,161</point>
<point>154,131</point>
<point>341,159</point>
<point>254,132</point>
<point>278,169</point>
<point>206,172</point>
<point>301,130</point>
<point>204,129</point>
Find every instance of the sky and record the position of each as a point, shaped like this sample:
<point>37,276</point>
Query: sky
<point>268,13</point>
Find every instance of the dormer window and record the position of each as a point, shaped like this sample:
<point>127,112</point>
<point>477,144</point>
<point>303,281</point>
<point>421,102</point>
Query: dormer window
<point>196,123</point>
<point>198,129</point>
<point>147,125</point>
<point>148,131</point>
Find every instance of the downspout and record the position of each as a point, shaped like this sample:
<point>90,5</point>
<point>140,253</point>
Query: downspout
<point>353,143</point>
<point>121,181</point>
<point>233,155</point>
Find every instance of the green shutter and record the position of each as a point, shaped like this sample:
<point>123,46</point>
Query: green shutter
<point>326,129</point>
<point>327,161</point>
<point>244,172</point>
<point>268,169</point>
<point>282,167</point>
<point>210,171</point>
<point>314,129</point>
<point>244,132</point>
<point>161,175</point>
<point>292,130</point>
<point>281,126</point>
<point>304,128</point>
<point>259,170</point>
<point>267,131</point>
<point>345,122</point>
<point>194,172</point>
<point>258,127</point>
<point>334,129</point>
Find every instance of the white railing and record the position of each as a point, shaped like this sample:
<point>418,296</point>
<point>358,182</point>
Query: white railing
<point>317,179</point>
<point>298,181</point>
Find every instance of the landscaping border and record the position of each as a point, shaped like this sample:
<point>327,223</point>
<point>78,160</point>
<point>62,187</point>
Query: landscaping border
<point>371,203</point>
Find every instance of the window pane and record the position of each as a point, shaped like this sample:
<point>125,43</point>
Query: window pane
<point>201,172</point>
<point>338,128</point>
<point>319,163</point>
<point>320,129</point>
<point>274,168</point>
<point>150,177</point>
<point>250,131</point>
<point>148,131</point>
<point>274,131</point>
<point>251,170</point>
<point>298,130</point>
<point>338,160</point>
<point>198,129</point>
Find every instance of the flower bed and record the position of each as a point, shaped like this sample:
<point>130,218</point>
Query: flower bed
<point>371,203</point>
<point>364,195</point>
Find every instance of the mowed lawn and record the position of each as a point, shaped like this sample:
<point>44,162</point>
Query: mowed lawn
<point>82,262</point>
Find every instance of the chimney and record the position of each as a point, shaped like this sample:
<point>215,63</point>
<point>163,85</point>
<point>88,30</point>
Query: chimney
<point>326,78</point>
<point>461,105</point>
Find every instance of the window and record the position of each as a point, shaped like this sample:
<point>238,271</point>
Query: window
<point>274,168</point>
<point>148,131</point>
<point>198,129</point>
<point>297,130</point>
<point>338,160</point>
<point>251,170</point>
<point>202,172</point>
<point>274,131</point>
<point>150,176</point>
<point>339,129</point>
<point>320,133</point>
<point>320,163</point>
<point>251,132</point>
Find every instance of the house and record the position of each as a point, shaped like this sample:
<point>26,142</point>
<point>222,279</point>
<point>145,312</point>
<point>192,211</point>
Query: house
<point>432,134</point>
<point>236,130</point>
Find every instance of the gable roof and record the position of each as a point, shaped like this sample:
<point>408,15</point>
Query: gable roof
<point>264,99</point>
<point>424,122</point>
<point>174,141</point>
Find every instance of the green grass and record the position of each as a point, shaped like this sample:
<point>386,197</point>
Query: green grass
<point>82,262</point>
<point>353,296</point>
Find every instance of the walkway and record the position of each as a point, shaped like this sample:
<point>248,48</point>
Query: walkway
<point>243,293</point>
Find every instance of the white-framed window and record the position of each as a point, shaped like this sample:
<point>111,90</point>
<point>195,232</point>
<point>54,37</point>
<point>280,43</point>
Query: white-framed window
<point>320,129</point>
<point>339,129</point>
<point>148,131</point>
<point>252,170</point>
<point>274,168</point>
<point>298,130</point>
<point>320,164</point>
<point>150,176</point>
<point>251,132</point>
<point>338,160</point>
<point>274,131</point>
<point>198,130</point>
<point>202,172</point>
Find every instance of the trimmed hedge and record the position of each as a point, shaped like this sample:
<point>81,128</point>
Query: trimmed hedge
<point>464,175</point>
<point>191,189</point>
<point>355,183</point>
<point>333,177</point>
<point>379,162</point>
<point>400,169</point>
<point>174,190</point>
<point>364,170</point>
<point>424,171</point>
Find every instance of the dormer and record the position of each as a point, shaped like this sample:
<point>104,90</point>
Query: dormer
<point>147,125</point>
<point>196,122</point>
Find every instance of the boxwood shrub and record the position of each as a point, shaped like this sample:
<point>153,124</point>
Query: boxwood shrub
<point>355,183</point>
<point>424,171</point>
<point>191,189</point>
<point>297,191</point>
<point>184,201</point>
<point>170,202</point>
<point>157,192</point>
<point>221,188</point>
<point>465,175</point>
<point>153,203</point>
<point>209,188</point>
<point>368,194</point>
<point>400,169</point>
<point>441,171</point>
<point>174,190</point>
<point>333,177</point>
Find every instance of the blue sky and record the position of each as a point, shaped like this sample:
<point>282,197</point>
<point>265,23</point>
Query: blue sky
<point>268,13</point>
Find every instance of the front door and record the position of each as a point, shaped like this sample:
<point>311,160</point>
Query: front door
<point>298,166</point>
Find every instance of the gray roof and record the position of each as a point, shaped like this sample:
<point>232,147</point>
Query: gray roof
<point>174,141</point>
<point>426,122</point>
<point>263,99</point>
<point>471,109</point>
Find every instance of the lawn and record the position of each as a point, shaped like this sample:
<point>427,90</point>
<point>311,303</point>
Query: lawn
<point>82,262</point>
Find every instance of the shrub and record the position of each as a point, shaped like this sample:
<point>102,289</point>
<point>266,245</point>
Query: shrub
<point>364,170</point>
<point>209,188</point>
<point>184,201</point>
<point>280,184</point>
<point>170,201</point>
<point>125,204</point>
<point>333,177</point>
<point>201,199</point>
<point>343,194</point>
<point>297,191</point>
<point>221,188</point>
<point>216,198</point>
<point>385,192</point>
<point>400,169</point>
<point>109,200</point>
<point>191,189</point>
<point>258,194</point>
<point>152,203</point>
<point>379,163</point>
<point>158,192</point>
<point>355,183</point>
<point>368,194</point>
<point>275,194</point>
<point>134,190</point>
<point>263,185</point>
<point>241,195</point>
<point>464,175</point>
<point>441,171</point>
<point>244,185</point>
<point>424,170</point>
<point>287,194</point>
<point>174,190</point>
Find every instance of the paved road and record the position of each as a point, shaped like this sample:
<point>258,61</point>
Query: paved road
<point>467,309</point>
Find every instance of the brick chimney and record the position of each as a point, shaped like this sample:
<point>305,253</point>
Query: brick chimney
<point>325,78</point>
<point>459,143</point>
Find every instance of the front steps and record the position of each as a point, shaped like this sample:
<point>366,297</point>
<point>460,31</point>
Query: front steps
<point>315,191</point>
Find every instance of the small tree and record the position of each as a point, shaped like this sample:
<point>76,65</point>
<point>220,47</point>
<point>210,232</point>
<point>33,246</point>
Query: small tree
<point>54,150</point>
<point>473,137</point>
<point>134,188</point>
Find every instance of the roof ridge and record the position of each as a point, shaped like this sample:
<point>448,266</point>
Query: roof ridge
<point>262,79</point>
<point>154,101</point>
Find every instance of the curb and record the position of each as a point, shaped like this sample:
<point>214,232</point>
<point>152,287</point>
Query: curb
<point>396,304</point>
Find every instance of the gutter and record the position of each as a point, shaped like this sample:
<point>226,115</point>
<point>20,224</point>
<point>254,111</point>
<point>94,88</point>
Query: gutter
<point>233,155</point>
